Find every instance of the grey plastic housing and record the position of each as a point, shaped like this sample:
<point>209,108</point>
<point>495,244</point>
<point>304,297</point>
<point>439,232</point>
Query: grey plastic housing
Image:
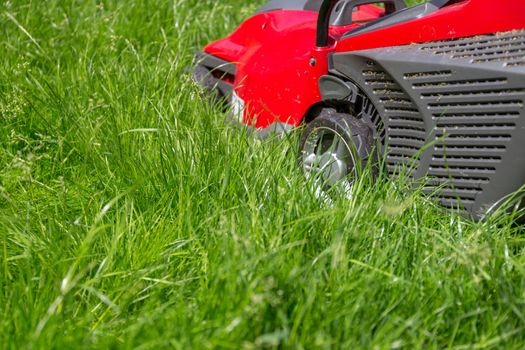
<point>452,114</point>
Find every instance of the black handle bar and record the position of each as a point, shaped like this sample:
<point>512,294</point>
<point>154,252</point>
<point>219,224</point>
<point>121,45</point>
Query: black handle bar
<point>323,21</point>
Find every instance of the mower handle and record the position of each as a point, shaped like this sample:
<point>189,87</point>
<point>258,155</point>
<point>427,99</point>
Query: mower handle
<point>323,21</point>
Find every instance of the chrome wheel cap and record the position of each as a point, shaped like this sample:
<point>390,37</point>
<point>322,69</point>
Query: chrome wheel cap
<point>328,159</point>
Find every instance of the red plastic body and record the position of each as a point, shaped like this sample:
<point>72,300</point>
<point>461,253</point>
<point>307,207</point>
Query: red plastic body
<point>278,65</point>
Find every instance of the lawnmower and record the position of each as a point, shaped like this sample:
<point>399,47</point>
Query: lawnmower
<point>437,89</point>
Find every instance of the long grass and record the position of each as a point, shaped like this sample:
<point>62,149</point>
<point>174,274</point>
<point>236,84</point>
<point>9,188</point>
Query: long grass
<point>133,216</point>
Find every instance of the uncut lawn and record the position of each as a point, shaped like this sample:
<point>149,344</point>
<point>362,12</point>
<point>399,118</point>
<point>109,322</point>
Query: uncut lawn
<point>133,216</point>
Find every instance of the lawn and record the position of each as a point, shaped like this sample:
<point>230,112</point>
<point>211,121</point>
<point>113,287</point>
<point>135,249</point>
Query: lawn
<point>133,216</point>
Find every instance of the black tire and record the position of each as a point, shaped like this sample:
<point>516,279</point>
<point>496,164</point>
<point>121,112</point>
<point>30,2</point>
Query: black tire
<point>354,134</point>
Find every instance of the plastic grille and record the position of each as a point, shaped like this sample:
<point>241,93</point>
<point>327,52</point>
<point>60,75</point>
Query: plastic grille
<point>507,48</point>
<point>457,107</point>
<point>472,129</point>
<point>404,128</point>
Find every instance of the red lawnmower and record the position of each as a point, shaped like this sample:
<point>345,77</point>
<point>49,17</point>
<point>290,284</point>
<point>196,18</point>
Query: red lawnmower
<point>437,88</point>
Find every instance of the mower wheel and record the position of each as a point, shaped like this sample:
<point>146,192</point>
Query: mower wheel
<point>335,148</point>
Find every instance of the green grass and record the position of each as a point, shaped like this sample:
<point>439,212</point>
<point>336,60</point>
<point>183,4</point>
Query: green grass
<point>132,216</point>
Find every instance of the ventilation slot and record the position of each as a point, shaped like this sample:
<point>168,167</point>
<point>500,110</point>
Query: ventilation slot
<point>455,139</point>
<point>453,192</point>
<point>474,94</point>
<point>401,101</point>
<point>452,202</point>
<point>426,75</point>
<point>518,57</point>
<point>460,83</point>
<point>515,64</point>
<point>493,130</point>
<point>470,182</point>
<point>473,105</point>
<point>466,159</point>
<point>416,133</point>
<point>447,148</point>
<point>461,170</point>
<point>468,152</point>
<point>489,50</point>
<point>468,118</point>
<point>478,161</point>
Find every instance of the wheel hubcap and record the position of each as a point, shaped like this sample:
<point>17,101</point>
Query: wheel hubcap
<point>327,158</point>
